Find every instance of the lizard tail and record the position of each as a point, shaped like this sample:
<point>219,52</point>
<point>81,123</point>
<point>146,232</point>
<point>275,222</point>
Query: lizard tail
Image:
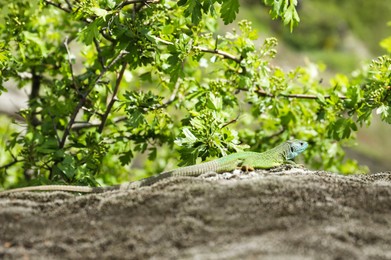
<point>144,182</point>
<point>83,189</point>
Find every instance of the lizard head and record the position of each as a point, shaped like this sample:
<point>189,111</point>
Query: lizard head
<point>296,147</point>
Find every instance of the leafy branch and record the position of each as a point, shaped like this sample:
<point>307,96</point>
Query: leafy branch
<point>83,98</point>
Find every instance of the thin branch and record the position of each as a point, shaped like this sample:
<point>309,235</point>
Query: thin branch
<point>170,99</point>
<point>130,2</point>
<point>173,95</point>
<point>275,134</point>
<point>55,128</point>
<point>34,95</point>
<point>69,4</point>
<point>66,41</point>
<point>58,6</point>
<point>162,41</point>
<point>99,51</point>
<point>113,98</point>
<point>219,52</point>
<point>300,96</point>
<point>84,98</point>
<point>15,161</point>
<point>78,126</point>
<point>83,125</point>
<point>114,61</point>
<point>233,120</point>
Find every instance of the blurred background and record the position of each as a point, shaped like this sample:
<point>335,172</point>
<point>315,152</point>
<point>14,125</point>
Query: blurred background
<point>337,35</point>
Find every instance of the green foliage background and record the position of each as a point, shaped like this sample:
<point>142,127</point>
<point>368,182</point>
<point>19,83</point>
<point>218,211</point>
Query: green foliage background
<point>110,80</point>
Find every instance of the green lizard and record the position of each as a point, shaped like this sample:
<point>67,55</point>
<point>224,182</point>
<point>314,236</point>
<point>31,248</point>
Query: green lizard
<point>247,161</point>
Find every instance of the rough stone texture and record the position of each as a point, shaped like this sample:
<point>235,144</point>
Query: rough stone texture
<point>289,214</point>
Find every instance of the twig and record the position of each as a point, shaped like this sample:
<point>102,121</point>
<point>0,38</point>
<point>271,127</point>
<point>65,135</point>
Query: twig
<point>233,120</point>
<point>114,61</point>
<point>301,96</point>
<point>219,52</point>
<point>15,161</point>
<point>171,98</point>
<point>58,6</point>
<point>91,125</point>
<point>113,97</point>
<point>99,51</point>
<point>129,2</point>
<point>69,4</point>
<point>275,134</point>
<point>55,128</point>
<point>66,41</point>
<point>173,95</point>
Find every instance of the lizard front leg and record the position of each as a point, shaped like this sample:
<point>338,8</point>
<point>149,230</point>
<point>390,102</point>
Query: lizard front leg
<point>247,168</point>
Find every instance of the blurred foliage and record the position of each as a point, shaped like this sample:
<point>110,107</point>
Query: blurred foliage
<point>110,80</point>
<point>325,24</point>
<point>386,43</point>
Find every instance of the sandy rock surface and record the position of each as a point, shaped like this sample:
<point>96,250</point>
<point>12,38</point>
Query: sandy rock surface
<point>282,214</point>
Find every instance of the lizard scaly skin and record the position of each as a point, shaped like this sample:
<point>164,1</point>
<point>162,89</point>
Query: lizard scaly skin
<point>277,156</point>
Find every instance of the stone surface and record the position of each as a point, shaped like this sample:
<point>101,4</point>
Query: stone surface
<point>286,214</point>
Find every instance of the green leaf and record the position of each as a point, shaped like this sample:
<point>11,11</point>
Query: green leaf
<point>291,17</point>
<point>67,166</point>
<point>99,12</point>
<point>3,56</point>
<point>386,44</point>
<point>126,157</point>
<point>152,153</point>
<point>49,146</point>
<point>90,32</point>
<point>136,119</point>
<point>194,10</point>
<point>229,9</point>
<point>175,67</point>
<point>182,2</point>
<point>214,102</point>
<point>190,138</point>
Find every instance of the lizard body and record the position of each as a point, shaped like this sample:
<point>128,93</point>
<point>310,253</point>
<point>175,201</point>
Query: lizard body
<point>277,156</point>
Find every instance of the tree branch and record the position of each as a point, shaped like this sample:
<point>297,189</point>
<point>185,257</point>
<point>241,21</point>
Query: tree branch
<point>113,98</point>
